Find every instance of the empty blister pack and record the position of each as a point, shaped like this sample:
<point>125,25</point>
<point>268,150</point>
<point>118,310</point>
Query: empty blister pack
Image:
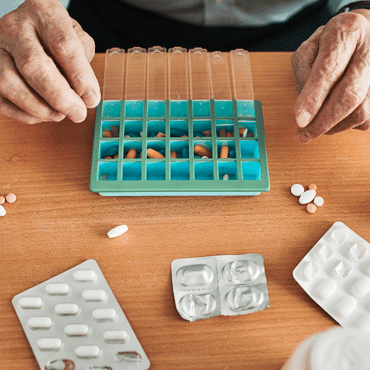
<point>336,275</point>
<point>219,285</point>
<point>74,322</point>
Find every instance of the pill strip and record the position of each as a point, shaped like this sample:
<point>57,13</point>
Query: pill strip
<point>73,321</point>
<point>219,285</point>
<point>336,275</point>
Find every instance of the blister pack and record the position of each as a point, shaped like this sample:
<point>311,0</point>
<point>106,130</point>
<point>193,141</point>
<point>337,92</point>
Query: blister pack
<point>219,285</point>
<point>336,275</point>
<point>74,322</point>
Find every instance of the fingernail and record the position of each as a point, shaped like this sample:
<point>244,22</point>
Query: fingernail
<point>303,118</point>
<point>57,117</point>
<point>78,114</point>
<point>304,136</point>
<point>91,99</point>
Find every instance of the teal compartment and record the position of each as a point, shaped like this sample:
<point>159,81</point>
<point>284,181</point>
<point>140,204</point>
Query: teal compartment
<point>179,108</point>
<point>223,108</point>
<point>180,171</point>
<point>134,108</point>
<point>156,171</point>
<point>246,108</point>
<point>184,124</point>
<point>131,171</point>
<point>156,108</point>
<point>201,108</point>
<point>111,109</point>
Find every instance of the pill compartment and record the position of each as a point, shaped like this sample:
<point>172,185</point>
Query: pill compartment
<point>335,274</point>
<point>74,321</point>
<point>219,285</point>
<point>170,103</point>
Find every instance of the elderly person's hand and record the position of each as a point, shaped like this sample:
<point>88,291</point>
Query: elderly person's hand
<point>332,72</point>
<point>45,71</point>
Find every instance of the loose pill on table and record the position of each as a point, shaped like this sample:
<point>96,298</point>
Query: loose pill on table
<point>117,231</point>
<point>202,151</point>
<point>151,153</point>
<point>11,198</point>
<point>131,154</point>
<point>311,208</point>
<point>107,133</point>
<point>297,190</point>
<point>2,211</point>
<point>307,197</point>
<point>318,201</point>
<point>224,153</point>
<point>115,131</point>
<point>2,200</point>
<point>312,187</point>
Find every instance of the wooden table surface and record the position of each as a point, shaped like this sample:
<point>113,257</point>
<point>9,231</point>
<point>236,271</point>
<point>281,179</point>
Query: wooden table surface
<point>57,223</point>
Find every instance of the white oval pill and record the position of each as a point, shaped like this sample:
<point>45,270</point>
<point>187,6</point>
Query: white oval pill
<point>361,287</point>
<point>66,309</point>
<point>104,314</point>
<point>30,302</point>
<point>307,196</point>
<point>49,344</point>
<point>115,336</point>
<point>76,330</point>
<point>117,231</point>
<point>2,211</point>
<point>94,295</point>
<point>87,351</point>
<point>36,323</point>
<point>84,275</point>
<point>345,306</point>
<point>318,201</point>
<point>297,190</point>
<point>57,289</point>
<point>326,288</point>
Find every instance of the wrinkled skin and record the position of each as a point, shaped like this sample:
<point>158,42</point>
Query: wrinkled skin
<point>332,73</point>
<point>45,70</point>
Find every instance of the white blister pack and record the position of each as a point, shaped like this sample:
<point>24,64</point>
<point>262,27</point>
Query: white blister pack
<point>219,285</point>
<point>74,322</point>
<point>336,275</point>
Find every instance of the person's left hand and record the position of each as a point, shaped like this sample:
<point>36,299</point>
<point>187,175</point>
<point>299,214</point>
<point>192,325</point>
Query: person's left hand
<point>332,73</point>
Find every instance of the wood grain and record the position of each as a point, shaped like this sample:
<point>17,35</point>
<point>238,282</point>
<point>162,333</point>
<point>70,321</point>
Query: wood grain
<point>57,223</point>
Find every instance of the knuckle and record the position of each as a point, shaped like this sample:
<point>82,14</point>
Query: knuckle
<point>30,65</point>
<point>63,46</point>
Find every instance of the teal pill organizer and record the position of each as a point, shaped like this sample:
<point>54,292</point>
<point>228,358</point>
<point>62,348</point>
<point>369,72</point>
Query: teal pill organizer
<point>186,124</point>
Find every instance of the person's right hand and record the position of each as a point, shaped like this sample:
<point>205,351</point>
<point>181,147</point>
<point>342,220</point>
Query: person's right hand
<point>45,72</point>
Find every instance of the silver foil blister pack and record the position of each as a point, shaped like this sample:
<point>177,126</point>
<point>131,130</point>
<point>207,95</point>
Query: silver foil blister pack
<point>219,285</point>
<point>74,322</point>
<point>335,273</point>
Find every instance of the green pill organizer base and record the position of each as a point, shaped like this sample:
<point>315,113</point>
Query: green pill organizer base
<point>183,123</point>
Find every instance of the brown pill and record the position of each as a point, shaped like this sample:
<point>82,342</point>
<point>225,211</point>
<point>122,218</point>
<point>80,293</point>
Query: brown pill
<point>131,154</point>
<point>311,208</point>
<point>107,133</point>
<point>108,157</point>
<point>160,134</point>
<point>222,132</point>
<point>2,200</point>
<point>207,133</point>
<point>115,156</point>
<point>229,134</point>
<point>202,151</point>
<point>115,131</point>
<point>173,154</point>
<point>224,153</point>
<point>243,131</point>
<point>184,136</point>
<point>312,187</point>
<point>151,153</point>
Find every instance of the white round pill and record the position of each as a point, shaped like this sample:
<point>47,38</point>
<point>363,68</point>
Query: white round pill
<point>2,211</point>
<point>117,231</point>
<point>318,201</point>
<point>307,197</point>
<point>297,190</point>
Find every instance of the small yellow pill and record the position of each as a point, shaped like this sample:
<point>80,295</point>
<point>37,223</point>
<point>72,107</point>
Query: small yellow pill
<point>2,200</point>
<point>311,208</point>
<point>312,187</point>
<point>11,198</point>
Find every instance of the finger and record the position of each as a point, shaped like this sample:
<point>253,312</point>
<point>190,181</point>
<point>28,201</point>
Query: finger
<point>337,44</point>
<point>41,73</point>
<point>60,38</point>
<point>8,109</point>
<point>14,89</point>
<point>364,127</point>
<point>86,40</point>
<point>304,57</point>
<point>345,97</point>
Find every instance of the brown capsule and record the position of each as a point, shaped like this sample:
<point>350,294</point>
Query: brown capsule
<point>107,133</point>
<point>151,153</point>
<point>224,153</point>
<point>131,154</point>
<point>202,151</point>
<point>173,154</point>
<point>160,134</point>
